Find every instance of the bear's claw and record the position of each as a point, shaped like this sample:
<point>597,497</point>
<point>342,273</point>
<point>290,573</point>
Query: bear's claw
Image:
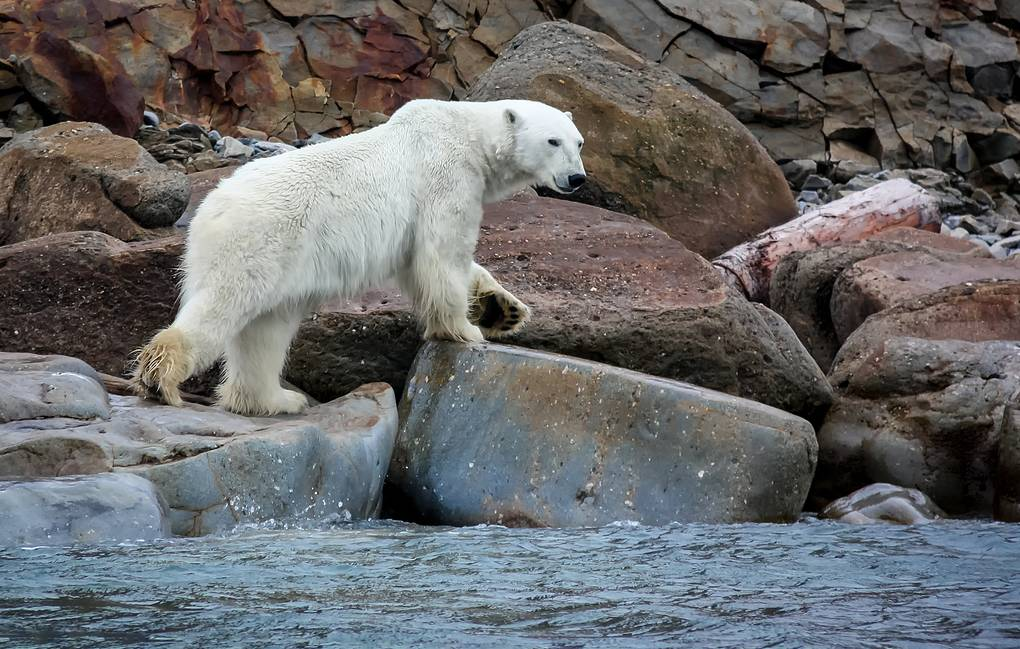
<point>499,314</point>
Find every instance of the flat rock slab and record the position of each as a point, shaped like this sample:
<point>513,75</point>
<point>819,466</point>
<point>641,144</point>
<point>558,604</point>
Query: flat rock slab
<point>875,284</point>
<point>602,286</point>
<point>34,386</point>
<point>99,508</point>
<point>497,434</point>
<point>214,469</point>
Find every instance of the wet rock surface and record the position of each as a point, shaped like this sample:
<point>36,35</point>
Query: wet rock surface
<point>884,503</point>
<point>79,176</point>
<point>924,413</point>
<point>213,469</point>
<point>87,509</point>
<point>602,286</point>
<point>655,146</point>
<point>496,434</point>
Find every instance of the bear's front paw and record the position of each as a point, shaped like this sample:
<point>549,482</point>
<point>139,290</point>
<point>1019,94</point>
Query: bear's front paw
<point>499,314</point>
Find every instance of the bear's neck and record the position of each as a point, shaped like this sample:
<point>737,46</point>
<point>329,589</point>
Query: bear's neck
<point>502,175</point>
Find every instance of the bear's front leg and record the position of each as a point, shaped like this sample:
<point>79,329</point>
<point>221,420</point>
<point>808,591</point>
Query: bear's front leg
<point>438,286</point>
<point>496,311</point>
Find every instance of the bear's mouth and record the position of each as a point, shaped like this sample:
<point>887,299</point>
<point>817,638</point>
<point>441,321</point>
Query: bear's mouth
<point>563,190</point>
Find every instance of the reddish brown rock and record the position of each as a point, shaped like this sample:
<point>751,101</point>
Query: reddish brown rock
<point>79,176</point>
<point>86,294</point>
<point>202,182</point>
<point>875,284</point>
<point>973,312</point>
<point>933,240</point>
<point>602,286</point>
<point>74,82</point>
<point>801,286</point>
<point>655,146</point>
<point>229,64</point>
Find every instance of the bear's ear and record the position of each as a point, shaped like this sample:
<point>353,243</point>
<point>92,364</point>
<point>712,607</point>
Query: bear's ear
<point>512,118</point>
<point>569,115</point>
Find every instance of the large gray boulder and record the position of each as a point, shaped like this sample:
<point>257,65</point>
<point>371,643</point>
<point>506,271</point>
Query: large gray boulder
<point>214,469</point>
<point>98,508</point>
<point>497,434</point>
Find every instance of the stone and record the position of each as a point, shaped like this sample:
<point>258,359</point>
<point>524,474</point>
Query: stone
<point>642,25</point>
<point>1007,471</point>
<point>815,183</point>
<point>920,407</point>
<point>34,387</point>
<point>887,44</point>
<point>794,34</point>
<point>570,443</point>
<point>1001,145</point>
<point>229,147</point>
<point>602,286</point>
<point>798,171</point>
<point>655,146</point>
<point>76,83</point>
<point>93,509</point>
<point>213,469</point>
<point>878,283</point>
<point>87,295</point>
<point>884,503</point>
<point>77,176</point>
<point>801,286</point>
<point>851,161</point>
<point>202,182</point>
<point>976,44</point>
<point>329,461</point>
<point>150,118</point>
<point>22,117</point>
<point>1005,247</point>
<point>971,311</point>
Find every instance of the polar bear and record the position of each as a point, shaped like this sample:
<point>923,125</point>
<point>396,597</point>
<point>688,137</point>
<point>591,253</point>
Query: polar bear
<point>401,201</point>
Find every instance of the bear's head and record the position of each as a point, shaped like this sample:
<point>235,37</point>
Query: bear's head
<point>546,145</point>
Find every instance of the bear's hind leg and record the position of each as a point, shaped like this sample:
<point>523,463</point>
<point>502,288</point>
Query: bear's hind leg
<point>254,362</point>
<point>190,345</point>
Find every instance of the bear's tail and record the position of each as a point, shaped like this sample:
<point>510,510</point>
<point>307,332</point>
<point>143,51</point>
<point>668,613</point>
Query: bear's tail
<point>162,366</point>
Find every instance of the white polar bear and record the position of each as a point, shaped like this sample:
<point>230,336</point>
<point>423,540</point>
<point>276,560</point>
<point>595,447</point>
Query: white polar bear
<point>402,201</point>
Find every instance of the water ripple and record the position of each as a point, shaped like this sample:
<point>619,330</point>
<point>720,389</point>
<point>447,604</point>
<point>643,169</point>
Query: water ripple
<point>392,584</point>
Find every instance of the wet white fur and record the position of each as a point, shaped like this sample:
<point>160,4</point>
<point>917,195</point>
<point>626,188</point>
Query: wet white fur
<point>401,201</point>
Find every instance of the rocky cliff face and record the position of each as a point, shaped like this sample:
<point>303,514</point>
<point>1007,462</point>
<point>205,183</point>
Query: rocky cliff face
<point>285,67</point>
<point>862,83</point>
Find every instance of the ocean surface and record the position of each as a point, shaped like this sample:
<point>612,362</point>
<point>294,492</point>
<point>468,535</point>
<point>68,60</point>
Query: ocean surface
<point>390,584</point>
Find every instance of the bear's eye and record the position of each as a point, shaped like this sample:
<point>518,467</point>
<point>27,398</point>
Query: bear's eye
<point>580,145</point>
<point>554,142</point>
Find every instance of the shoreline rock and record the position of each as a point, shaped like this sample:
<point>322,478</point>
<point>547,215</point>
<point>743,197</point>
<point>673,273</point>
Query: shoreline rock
<point>497,434</point>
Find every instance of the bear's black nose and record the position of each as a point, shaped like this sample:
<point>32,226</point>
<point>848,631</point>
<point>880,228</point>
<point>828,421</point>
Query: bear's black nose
<point>576,180</point>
